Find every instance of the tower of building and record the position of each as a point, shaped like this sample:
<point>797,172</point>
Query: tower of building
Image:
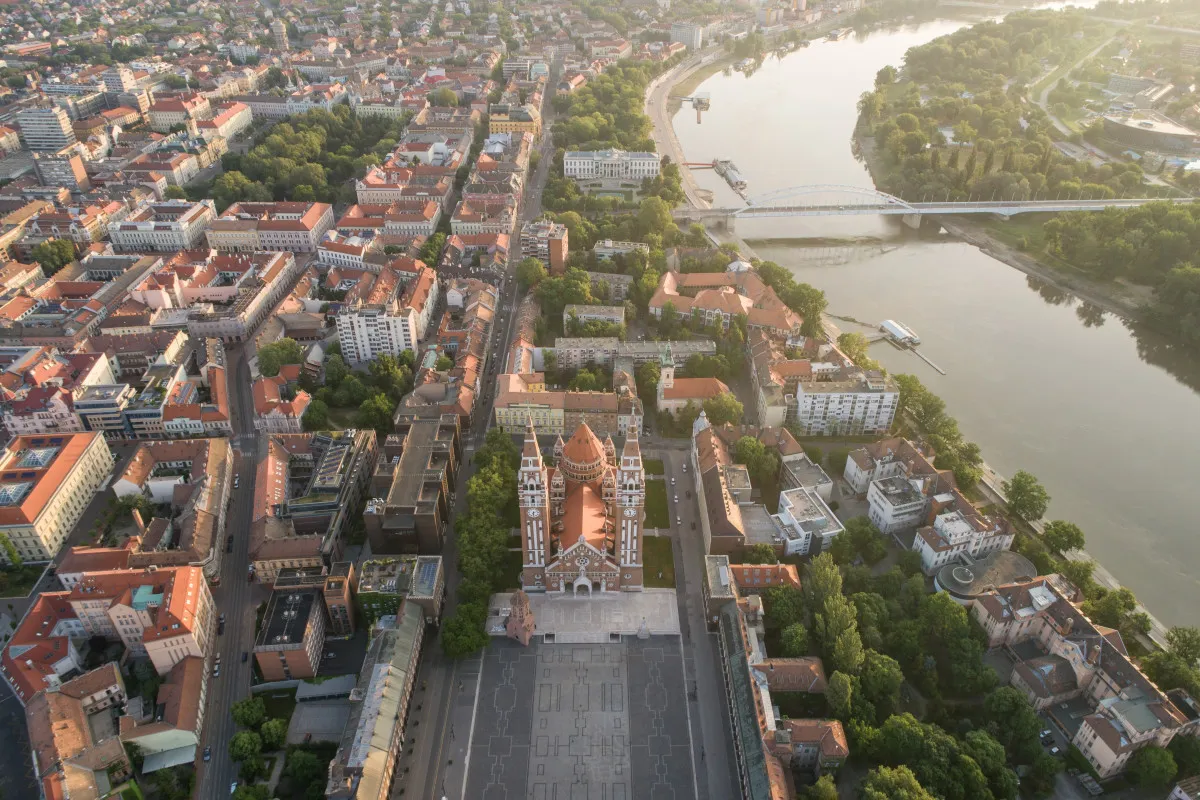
<point>631,507</point>
<point>534,492</point>
<point>279,31</point>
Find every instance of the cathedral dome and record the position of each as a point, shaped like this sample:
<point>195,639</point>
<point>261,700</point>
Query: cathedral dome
<point>583,455</point>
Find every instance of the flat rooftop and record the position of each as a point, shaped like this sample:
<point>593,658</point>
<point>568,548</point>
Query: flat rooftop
<point>287,618</point>
<point>898,491</point>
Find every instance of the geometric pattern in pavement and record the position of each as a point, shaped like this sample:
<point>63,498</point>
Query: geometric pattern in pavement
<point>582,722</point>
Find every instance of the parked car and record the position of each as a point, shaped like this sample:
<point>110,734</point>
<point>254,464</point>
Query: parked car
<point>229,544</point>
<point>245,655</point>
<point>233,787</point>
<point>220,629</point>
<point>1054,751</point>
<point>208,753</point>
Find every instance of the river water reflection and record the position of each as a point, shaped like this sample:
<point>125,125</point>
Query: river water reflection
<point>1106,417</point>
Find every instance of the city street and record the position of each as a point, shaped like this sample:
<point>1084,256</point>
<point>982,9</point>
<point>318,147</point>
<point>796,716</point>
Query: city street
<point>235,597</point>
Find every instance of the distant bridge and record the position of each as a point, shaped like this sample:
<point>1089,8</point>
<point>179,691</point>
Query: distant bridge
<point>832,200</point>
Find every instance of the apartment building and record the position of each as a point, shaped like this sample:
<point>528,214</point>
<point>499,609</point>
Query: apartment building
<point>523,397</point>
<point>42,384</point>
<point>387,315</point>
<point>308,486</point>
<point>230,120</point>
<point>506,118</point>
<point>575,352</point>
<point>365,763</point>
<point>1064,657</point>
<point>610,164</point>
<point>279,405</point>
<point>165,226</point>
<point>718,297</point>
<point>959,533</point>
<point>46,129</point>
<point>169,734</point>
<point>171,112</point>
<point>291,641</point>
<point>689,34</point>
<point>851,401</point>
<point>411,488</point>
<point>72,754</point>
<point>46,483</point>
<point>273,275</point>
<point>548,242</point>
<point>285,226</point>
<point>61,169</point>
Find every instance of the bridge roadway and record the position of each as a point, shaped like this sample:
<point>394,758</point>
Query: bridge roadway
<point>893,206</point>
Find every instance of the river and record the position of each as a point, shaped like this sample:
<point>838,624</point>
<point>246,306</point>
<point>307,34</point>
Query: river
<point>1108,420</point>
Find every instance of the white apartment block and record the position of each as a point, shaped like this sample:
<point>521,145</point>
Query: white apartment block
<point>393,325</point>
<point>164,227</point>
<point>897,503</point>
<point>611,164</point>
<point>856,403</point>
<point>806,523</point>
<point>955,534</point>
<point>46,129</point>
<point>688,34</point>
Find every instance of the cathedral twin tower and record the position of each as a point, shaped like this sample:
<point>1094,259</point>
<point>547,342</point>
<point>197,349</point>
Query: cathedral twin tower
<point>581,520</point>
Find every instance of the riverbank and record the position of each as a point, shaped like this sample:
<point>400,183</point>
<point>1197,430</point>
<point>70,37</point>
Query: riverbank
<point>1115,298</point>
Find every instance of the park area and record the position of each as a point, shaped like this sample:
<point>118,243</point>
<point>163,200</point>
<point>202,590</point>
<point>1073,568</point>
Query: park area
<point>657,515</point>
<point>659,560</point>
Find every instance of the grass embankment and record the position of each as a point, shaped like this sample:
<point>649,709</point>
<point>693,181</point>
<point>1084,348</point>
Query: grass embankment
<point>659,560</point>
<point>657,515</point>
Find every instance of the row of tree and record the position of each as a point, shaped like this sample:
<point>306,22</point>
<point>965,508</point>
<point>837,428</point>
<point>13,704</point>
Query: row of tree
<point>375,393</point>
<point>482,538</point>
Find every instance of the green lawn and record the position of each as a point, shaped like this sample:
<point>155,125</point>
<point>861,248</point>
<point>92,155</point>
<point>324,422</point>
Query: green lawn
<point>657,515</point>
<point>654,466</point>
<point>658,558</point>
<point>511,570</point>
<point>280,704</point>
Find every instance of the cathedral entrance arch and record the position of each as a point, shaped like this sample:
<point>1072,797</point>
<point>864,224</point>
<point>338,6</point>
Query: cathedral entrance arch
<point>582,586</point>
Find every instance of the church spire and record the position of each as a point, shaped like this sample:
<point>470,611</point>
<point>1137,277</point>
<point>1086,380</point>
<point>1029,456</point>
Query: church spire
<point>531,443</point>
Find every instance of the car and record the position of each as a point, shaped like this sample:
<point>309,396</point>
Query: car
<point>1054,751</point>
<point>220,629</point>
<point>689,494</point>
<point>685,468</point>
<point>208,753</point>
<point>229,545</point>
<point>233,787</point>
<point>217,671</point>
<point>330,655</point>
<point>221,618</point>
<point>218,658</point>
<point>672,481</point>
<point>1045,734</point>
<point>245,655</point>
<point>678,521</point>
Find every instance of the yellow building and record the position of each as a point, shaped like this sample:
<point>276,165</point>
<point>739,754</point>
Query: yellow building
<point>515,119</point>
<point>46,482</point>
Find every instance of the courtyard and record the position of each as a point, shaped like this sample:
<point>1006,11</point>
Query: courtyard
<point>595,721</point>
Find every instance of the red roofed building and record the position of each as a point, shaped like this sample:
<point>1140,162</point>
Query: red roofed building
<point>581,520</point>
<point>169,112</point>
<point>387,314</point>
<point>45,484</point>
<point>278,404</point>
<point>292,226</point>
<point>675,393</point>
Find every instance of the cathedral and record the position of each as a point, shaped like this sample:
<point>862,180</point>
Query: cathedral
<point>581,520</point>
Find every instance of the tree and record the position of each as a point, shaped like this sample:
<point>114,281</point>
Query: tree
<point>723,408</point>
<point>1186,751</point>
<point>273,733</point>
<point>1062,536</point>
<point>784,606</point>
<point>647,381</point>
<point>823,789</point>
<point>530,272</point>
<point>654,215</point>
<point>854,346</point>
<point>1184,642</point>
<point>336,370</point>
<point>316,416</point>
<point>885,783</point>
<point>245,745</point>
<point>760,554</point>
<point>1027,498</point>
<point>840,695</point>
<point>794,640</point>
<point>249,713</point>
<point>463,634</point>
<point>1014,723</point>
<point>431,252</point>
<point>274,355</point>
<point>252,792</point>
<point>443,363</point>
<point>1079,573</point>
<point>443,97</point>
<point>376,413</point>
<point>303,768</point>
<point>53,255</point>
<point>885,77</point>
<point>881,678</point>
<point>1152,767</point>
<point>252,768</point>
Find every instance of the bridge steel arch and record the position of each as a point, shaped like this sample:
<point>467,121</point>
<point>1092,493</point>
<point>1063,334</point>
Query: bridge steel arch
<point>773,199</point>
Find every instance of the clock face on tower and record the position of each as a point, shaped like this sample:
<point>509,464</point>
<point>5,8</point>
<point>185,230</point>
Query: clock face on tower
<point>533,512</point>
<point>631,512</point>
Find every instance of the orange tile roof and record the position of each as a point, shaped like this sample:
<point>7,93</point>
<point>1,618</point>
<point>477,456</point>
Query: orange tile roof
<point>47,479</point>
